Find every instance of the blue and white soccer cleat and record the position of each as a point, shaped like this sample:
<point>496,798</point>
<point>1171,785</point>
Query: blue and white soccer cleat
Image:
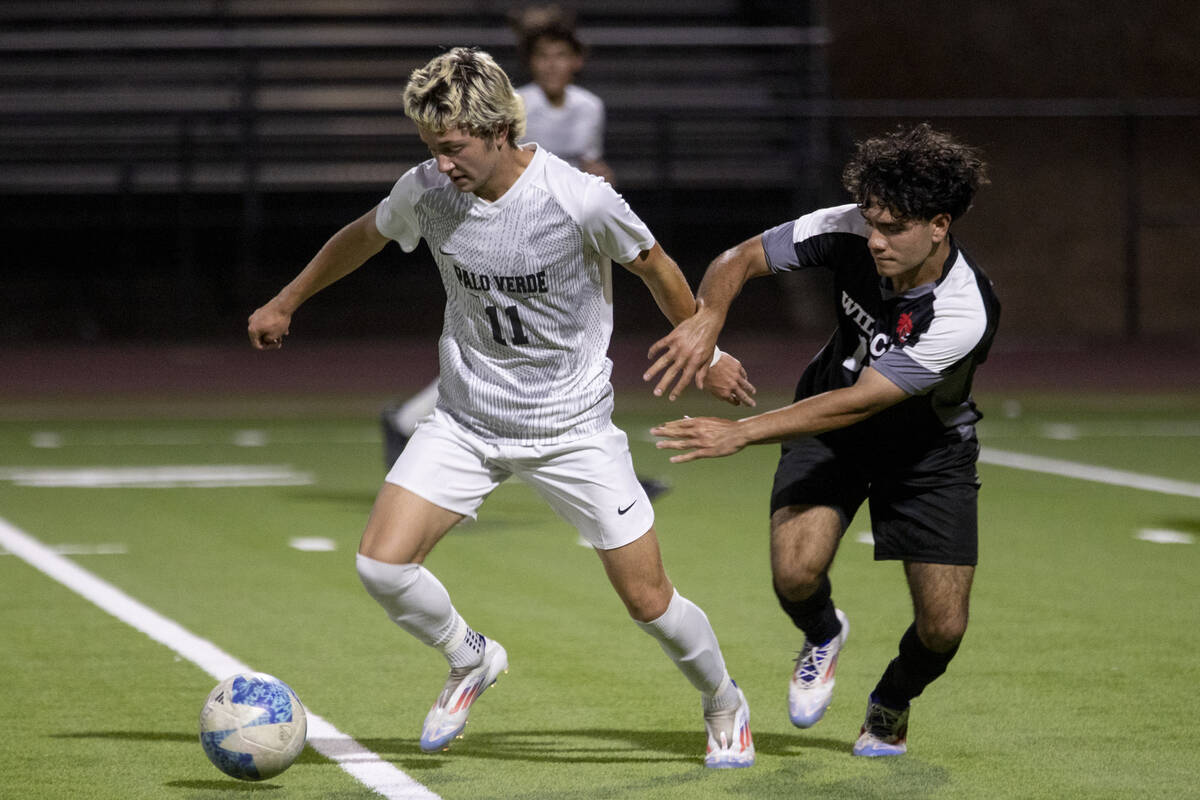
<point>730,743</point>
<point>464,685</point>
<point>811,689</point>
<point>884,732</point>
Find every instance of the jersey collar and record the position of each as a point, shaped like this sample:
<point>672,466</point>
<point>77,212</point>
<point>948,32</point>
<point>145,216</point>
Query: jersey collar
<point>535,165</point>
<point>885,284</point>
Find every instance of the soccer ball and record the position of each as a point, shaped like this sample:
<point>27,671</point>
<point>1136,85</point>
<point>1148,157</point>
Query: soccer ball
<point>252,726</point>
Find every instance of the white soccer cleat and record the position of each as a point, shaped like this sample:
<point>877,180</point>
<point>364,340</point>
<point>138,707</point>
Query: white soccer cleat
<point>729,741</point>
<point>464,685</point>
<point>811,689</point>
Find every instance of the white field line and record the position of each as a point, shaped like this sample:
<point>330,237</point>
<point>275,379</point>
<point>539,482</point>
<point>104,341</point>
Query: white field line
<point>1071,431</point>
<point>114,549</point>
<point>1164,536</point>
<point>200,476</point>
<point>371,770</point>
<point>1088,472</point>
<point>246,437</point>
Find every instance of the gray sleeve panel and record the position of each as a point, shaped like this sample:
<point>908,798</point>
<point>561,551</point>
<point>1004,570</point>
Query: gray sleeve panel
<point>779,247</point>
<point>899,368</point>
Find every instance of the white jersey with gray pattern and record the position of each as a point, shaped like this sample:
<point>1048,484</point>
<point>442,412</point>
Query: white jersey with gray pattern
<point>528,317</point>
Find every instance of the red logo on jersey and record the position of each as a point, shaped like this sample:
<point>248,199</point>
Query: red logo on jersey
<point>904,327</point>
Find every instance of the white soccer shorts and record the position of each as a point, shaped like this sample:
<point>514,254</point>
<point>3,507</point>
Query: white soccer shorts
<point>589,482</point>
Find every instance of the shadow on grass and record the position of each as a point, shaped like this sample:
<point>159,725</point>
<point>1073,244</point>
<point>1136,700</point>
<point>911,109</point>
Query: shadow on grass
<point>587,746</point>
<point>131,736</point>
<point>908,776</point>
<point>228,785</point>
<point>869,779</point>
<point>307,755</point>
<point>1185,525</point>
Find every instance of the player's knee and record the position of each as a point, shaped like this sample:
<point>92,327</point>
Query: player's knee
<point>646,609</point>
<point>943,634</point>
<point>648,603</point>
<point>385,580</point>
<point>798,583</point>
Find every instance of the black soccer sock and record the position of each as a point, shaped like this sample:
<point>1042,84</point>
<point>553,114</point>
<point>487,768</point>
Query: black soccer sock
<point>815,615</point>
<point>910,672</point>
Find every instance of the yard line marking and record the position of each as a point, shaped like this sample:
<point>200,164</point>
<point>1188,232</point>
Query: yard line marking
<point>1088,472</point>
<point>196,476</point>
<point>378,775</point>
<point>251,438</point>
<point>45,439</point>
<point>247,437</point>
<point>1164,536</point>
<point>1066,431</point>
<point>84,550</point>
<point>1062,431</point>
<point>313,544</point>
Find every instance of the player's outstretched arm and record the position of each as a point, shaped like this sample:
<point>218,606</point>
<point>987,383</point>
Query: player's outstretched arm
<point>687,351</point>
<point>346,251</point>
<point>673,295</point>
<point>709,437</point>
<point>670,289</point>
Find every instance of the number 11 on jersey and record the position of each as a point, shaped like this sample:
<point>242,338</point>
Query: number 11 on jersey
<point>514,321</point>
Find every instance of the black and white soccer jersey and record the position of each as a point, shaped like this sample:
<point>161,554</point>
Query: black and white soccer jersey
<point>928,340</point>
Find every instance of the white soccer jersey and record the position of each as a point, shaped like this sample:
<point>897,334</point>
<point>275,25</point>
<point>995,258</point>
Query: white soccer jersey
<point>523,351</point>
<point>573,131</point>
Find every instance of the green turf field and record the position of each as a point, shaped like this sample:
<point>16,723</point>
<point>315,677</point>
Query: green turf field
<point>1077,678</point>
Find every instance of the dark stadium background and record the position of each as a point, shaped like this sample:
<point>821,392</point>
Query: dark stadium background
<point>166,166</point>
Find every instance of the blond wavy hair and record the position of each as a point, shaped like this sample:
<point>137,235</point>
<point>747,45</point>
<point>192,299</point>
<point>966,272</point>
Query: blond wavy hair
<point>465,88</point>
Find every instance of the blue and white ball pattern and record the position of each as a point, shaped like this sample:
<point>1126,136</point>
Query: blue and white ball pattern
<point>252,726</point>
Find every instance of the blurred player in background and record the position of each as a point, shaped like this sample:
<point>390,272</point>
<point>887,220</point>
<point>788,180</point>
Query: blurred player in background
<point>524,244</point>
<point>884,413</point>
<point>563,118</point>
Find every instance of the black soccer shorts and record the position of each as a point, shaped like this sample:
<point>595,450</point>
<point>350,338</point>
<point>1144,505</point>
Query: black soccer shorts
<point>924,507</point>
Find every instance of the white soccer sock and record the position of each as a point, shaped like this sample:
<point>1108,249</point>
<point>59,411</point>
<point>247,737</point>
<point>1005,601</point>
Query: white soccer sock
<point>416,601</point>
<point>686,636</point>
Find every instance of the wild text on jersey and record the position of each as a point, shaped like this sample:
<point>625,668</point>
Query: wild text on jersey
<point>858,314</point>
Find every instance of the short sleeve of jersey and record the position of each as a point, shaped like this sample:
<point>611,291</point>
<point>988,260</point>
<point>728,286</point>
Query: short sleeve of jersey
<point>777,244</point>
<point>396,216</point>
<point>815,239</point>
<point>609,224</point>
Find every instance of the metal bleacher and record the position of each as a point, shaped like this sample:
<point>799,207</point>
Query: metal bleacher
<point>114,96</point>
<point>183,156</point>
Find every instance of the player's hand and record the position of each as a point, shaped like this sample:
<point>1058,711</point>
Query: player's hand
<point>267,327</point>
<point>705,437</point>
<point>726,380</point>
<point>683,355</point>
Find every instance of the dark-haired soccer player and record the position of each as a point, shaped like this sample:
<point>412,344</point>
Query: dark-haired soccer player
<point>884,413</point>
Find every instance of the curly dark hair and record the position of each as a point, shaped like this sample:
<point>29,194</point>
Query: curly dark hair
<point>916,173</point>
